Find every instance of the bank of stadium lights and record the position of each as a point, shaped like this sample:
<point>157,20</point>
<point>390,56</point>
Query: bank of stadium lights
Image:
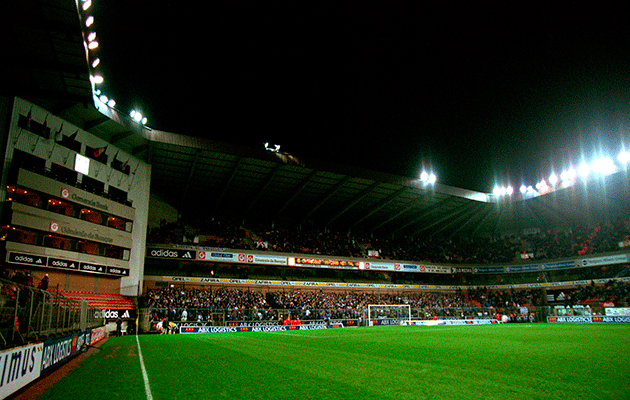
<point>138,117</point>
<point>428,178</point>
<point>503,190</point>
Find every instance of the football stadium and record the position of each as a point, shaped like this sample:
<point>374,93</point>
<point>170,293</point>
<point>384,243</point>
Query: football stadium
<point>139,263</point>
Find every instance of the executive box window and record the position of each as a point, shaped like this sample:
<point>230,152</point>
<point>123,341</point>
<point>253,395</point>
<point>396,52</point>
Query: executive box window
<point>92,185</point>
<point>62,174</point>
<point>61,207</point>
<point>54,241</point>
<point>57,242</point>
<point>28,161</point>
<point>26,197</point>
<point>91,216</point>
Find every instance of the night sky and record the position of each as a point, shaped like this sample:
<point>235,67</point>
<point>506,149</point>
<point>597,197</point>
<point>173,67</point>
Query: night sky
<point>480,92</point>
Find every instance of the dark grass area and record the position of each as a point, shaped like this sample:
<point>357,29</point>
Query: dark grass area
<point>538,361</point>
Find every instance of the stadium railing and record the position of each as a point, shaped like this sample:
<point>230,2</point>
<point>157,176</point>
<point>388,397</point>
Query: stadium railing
<point>28,315</point>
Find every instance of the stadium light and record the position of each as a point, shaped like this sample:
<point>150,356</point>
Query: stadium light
<point>103,99</point>
<point>432,178</point>
<point>96,79</point>
<point>91,36</point>
<point>424,176</point>
<point>86,4</point>
<point>523,189</point>
<point>89,21</point>
<point>584,170</point>
<point>624,157</point>
<point>92,45</point>
<point>604,166</point>
<point>96,62</point>
<point>111,103</point>
<point>553,179</point>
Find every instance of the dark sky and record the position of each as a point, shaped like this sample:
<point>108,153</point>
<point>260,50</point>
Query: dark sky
<point>481,92</point>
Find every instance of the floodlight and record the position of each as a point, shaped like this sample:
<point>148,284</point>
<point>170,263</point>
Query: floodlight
<point>584,170</point>
<point>96,62</point>
<point>432,178</point>
<point>568,175</point>
<point>111,103</point>
<point>624,157</point>
<point>86,4</point>
<point>604,166</point>
<point>509,190</point>
<point>553,179</point>
<point>144,121</point>
<point>89,21</point>
<point>132,113</point>
<point>97,79</point>
<point>103,99</point>
<point>424,176</point>
<point>92,45</point>
<point>496,191</point>
<point>91,36</point>
<point>137,116</point>
<point>523,189</point>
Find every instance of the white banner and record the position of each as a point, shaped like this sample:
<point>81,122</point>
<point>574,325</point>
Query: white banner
<point>19,367</point>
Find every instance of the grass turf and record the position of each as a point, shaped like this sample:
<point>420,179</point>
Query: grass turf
<point>537,361</point>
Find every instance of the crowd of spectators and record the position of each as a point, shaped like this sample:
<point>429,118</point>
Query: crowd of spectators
<point>532,245</point>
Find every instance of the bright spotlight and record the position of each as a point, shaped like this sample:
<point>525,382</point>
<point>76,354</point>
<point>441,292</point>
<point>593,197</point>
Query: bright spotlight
<point>86,4</point>
<point>93,45</point>
<point>509,190</point>
<point>583,170</point>
<point>424,176</point>
<point>111,103</point>
<point>604,166</point>
<point>132,113</point>
<point>103,99</point>
<point>432,178</point>
<point>496,191</point>
<point>523,189</point>
<point>144,121</point>
<point>96,62</point>
<point>89,21</point>
<point>137,117</point>
<point>96,79</point>
<point>553,179</point>
<point>91,36</point>
<point>624,157</point>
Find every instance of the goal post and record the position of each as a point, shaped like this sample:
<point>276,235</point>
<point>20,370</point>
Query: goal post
<point>389,314</point>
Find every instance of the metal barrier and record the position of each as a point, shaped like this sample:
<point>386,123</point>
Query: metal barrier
<point>28,314</point>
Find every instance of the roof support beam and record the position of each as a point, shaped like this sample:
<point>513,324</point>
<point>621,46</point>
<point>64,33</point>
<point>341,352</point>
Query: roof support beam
<point>227,185</point>
<point>268,181</point>
<point>381,204</point>
<point>295,194</point>
<point>354,201</point>
<point>190,175</point>
<point>326,197</point>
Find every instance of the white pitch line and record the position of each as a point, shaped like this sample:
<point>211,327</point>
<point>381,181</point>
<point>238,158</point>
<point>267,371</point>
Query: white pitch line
<point>147,387</point>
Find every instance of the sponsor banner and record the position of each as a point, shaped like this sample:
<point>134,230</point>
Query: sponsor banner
<point>115,314</point>
<point>273,260</point>
<point>587,320</point>
<point>489,270</point>
<point>379,266</point>
<point>97,335</point>
<point>19,367</point>
<point>462,270</point>
<point>616,259</point>
<point>89,267</point>
<point>216,256</point>
<point>53,262</point>
<point>65,264</point>
<point>58,350</point>
<point>558,265</point>
<point>326,263</point>
<point>454,322</point>
<point>386,321</point>
<point>235,329</point>
<point>171,253</point>
<point>523,268</point>
<point>27,259</point>
<point>117,271</point>
<point>618,312</point>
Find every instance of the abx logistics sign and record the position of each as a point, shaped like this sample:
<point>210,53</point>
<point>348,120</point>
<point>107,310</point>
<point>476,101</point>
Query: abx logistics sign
<point>171,253</point>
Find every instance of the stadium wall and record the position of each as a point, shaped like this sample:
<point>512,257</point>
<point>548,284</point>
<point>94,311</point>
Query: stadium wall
<point>54,145</point>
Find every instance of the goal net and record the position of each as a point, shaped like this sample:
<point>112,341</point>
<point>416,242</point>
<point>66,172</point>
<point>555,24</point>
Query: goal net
<point>389,314</point>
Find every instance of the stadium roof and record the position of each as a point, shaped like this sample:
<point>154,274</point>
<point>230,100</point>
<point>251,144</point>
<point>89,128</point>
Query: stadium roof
<point>47,65</point>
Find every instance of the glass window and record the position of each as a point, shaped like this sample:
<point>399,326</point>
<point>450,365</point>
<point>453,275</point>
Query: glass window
<point>60,207</point>
<point>91,216</point>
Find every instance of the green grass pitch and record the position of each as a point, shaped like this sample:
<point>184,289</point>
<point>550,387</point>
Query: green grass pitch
<point>523,361</point>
